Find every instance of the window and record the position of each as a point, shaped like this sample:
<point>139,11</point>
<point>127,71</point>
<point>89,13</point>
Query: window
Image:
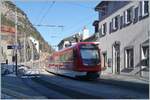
<point>121,22</point>
<point>128,16</point>
<point>144,9</point>
<point>115,23</point>
<point>129,58</point>
<point>89,54</point>
<point>135,18</point>
<point>104,29</point>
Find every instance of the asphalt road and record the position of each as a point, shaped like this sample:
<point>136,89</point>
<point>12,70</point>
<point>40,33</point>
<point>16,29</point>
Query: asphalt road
<point>56,87</point>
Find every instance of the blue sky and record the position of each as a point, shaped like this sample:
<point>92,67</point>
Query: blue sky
<point>73,15</point>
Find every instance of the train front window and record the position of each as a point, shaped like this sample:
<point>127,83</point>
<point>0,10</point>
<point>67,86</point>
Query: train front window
<point>89,55</point>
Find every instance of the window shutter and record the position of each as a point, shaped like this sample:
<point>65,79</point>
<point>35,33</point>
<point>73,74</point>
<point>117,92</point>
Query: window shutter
<point>110,27</point>
<point>121,22</point>
<point>135,19</point>
<point>146,7</point>
<point>103,29</point>
<point>100,32</point>
<point>140,10</point>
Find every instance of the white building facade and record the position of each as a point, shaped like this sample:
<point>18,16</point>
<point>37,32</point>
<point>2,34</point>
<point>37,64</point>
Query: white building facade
<point>123,34</point>
<point>35,42</point>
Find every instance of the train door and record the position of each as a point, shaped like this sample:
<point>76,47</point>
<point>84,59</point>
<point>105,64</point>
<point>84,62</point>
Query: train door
<point>116,58</point>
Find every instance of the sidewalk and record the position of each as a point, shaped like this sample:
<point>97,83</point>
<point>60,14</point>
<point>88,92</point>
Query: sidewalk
<point>125,78</point>
<point>126,81</point>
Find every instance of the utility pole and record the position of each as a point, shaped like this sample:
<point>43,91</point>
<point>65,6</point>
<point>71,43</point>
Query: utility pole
<point>16,43</point>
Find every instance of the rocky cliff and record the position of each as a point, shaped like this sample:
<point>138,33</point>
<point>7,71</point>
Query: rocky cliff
<point>25,27</point>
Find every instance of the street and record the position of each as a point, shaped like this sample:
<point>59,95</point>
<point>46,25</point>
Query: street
<point>47,85</point>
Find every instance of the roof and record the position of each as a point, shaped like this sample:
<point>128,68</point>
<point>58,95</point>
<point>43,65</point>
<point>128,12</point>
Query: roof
<point>70,38</point>
<point>90,39</point>
<point>95,22</point>
<point>101,5</point>
<point>79,43</point>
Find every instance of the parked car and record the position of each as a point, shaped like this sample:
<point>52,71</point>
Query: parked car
<point>6,68</point>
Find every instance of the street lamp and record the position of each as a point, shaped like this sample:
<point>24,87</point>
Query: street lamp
<point>16,42</point>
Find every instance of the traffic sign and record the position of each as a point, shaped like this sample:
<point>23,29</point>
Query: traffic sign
<point>14,47</point>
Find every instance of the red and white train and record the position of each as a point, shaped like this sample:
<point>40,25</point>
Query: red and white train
<point>81,59</point>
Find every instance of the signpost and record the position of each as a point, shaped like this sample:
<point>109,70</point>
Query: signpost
<point>14,47</point>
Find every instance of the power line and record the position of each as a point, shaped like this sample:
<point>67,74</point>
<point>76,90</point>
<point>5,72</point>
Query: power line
<point>76,29</point>
<point>80,5</point>
<point>52,26</point>
<point>44,15</point>
<point>73,28</point>
<point>49,25</point>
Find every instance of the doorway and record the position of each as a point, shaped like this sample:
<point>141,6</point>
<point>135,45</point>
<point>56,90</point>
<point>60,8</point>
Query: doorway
<point>116,57</point>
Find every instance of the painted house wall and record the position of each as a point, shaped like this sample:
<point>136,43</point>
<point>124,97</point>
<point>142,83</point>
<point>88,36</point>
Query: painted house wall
<point>132,35</point>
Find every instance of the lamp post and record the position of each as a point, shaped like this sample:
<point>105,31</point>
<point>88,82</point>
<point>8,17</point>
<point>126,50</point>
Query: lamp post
<point>16,42</point>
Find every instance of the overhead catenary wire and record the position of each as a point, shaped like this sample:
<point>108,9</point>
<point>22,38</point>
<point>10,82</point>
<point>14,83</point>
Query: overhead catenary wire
<point>80,5</point>
<point>44,15</point>
<point>49,25</point>
<point>81,23</point>
<point>72,27</point>
<point>52,26</point>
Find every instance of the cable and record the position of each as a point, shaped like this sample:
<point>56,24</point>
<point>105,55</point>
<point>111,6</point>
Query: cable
<point>49,25</point>
<point>53,2</point>
<point>73,26</point>
<point>83,6</point>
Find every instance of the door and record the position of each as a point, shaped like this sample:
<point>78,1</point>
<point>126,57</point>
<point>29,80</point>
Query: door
<point>116,58</point>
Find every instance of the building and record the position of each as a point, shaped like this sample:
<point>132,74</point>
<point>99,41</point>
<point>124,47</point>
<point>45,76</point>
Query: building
<point>7,39</point>
<point>77,37</point>
<point>85,33</point>
<point>122,31</point>
<point>35,42</point>
<point>68,41</point>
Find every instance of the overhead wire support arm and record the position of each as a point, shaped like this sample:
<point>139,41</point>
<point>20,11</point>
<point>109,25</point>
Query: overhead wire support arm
<point>53,26</point>
<point>49,25</point>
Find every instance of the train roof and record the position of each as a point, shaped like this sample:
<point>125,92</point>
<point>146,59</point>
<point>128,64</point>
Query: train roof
<point>79,44</point>
<point>67,48</point>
